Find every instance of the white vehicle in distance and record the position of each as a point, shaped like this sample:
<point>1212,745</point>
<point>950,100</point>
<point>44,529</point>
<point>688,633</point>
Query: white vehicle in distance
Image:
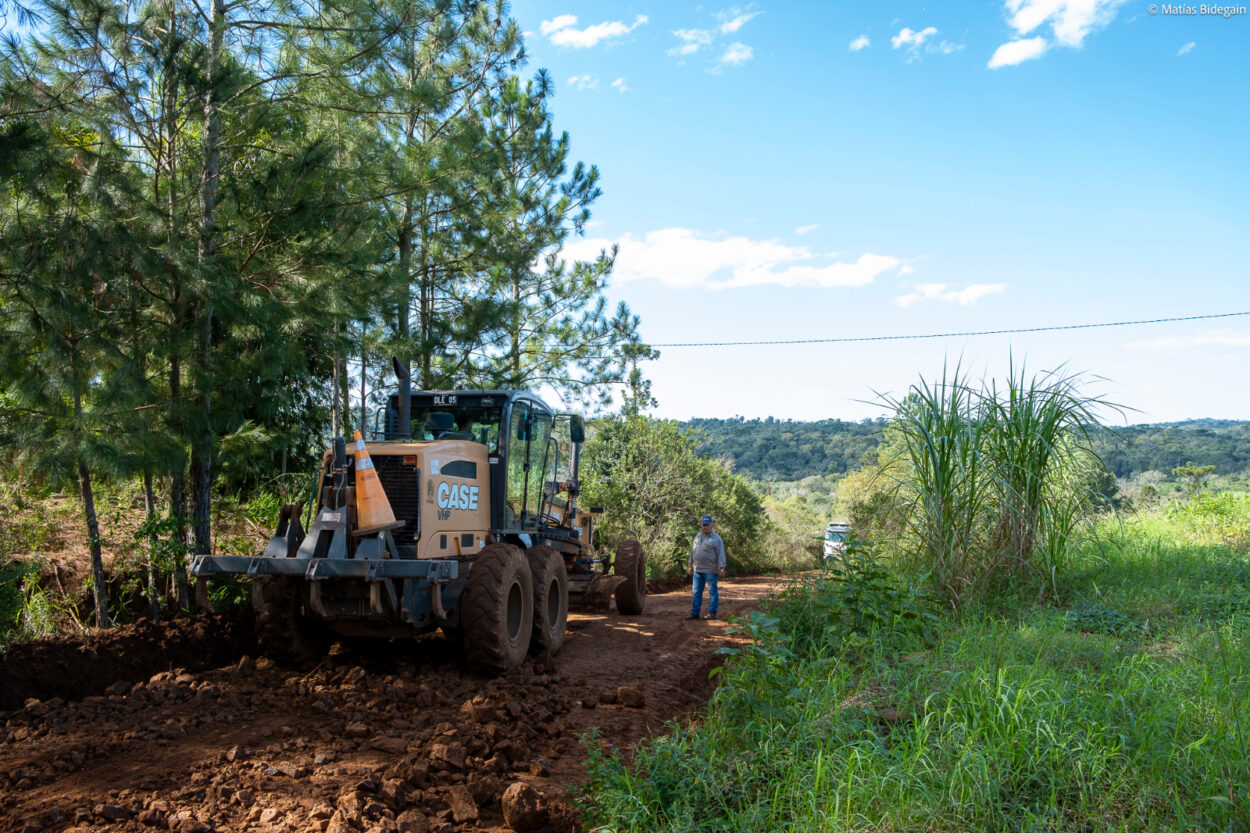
<point>837,536</point>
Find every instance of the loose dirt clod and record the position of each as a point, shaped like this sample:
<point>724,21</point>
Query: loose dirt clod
<point>523,808</point>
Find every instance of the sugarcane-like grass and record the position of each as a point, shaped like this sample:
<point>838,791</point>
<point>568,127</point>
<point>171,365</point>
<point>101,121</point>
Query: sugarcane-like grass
<point>993,480</point>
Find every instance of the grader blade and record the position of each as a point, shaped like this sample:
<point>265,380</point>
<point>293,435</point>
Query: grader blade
<point>593,593</point>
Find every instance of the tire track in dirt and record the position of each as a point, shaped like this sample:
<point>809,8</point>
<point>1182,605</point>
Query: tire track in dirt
<point>379,737</point>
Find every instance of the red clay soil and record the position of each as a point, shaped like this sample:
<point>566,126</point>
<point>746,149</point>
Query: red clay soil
<point>379,737</point>
<point>70,668</point>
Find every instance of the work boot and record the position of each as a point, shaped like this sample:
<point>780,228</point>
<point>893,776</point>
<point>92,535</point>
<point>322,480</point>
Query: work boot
<point>692,616</point>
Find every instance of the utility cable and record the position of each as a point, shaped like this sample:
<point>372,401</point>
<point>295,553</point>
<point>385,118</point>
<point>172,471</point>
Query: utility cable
<point>954,334</point>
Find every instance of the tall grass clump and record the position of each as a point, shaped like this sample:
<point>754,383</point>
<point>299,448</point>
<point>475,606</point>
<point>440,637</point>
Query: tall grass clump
<point>1040,447</point>
<point>946,484</point>
<point>993,483</point>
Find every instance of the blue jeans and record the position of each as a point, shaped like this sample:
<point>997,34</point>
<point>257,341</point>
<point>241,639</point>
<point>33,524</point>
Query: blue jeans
<point>713,598</point>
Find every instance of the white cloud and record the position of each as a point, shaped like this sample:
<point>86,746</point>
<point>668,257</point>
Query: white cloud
<point>859,43</point>
<point>928,293</point>
<point>682,258</point>
<point>619,85</point>
<point>561,22</point>
<point>919,43</point>
<point>562,33</point>
<point>1017,52</point>
<point>912,40</point>
<point>1217,338</point>
<point>1186,49</point>
<point>584,82</point>
<point>735,54</point>
<point>806,229</point>
<point>694,40</point>
<point>1070,20</point>
<point>735,19</point>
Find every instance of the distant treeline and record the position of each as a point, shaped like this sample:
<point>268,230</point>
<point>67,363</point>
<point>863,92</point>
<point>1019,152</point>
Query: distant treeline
<point>772,449</point>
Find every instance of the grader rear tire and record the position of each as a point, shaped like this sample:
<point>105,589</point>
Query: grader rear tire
<point>498,610</point>
<point>551,599</point>
<point>631,596</point>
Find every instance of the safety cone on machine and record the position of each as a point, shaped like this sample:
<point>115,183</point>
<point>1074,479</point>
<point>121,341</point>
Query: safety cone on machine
<point>373,510</point>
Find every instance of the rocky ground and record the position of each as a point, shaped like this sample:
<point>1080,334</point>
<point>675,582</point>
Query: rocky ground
<point>183,728</point>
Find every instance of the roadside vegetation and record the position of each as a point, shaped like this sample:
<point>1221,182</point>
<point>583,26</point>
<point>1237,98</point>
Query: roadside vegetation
<point>1063,669</point>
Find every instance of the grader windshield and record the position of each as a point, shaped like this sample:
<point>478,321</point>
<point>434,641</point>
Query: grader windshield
<point>515,426</point>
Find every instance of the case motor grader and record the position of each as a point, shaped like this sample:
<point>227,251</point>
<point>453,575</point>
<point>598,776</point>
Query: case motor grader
<point>488,542</point>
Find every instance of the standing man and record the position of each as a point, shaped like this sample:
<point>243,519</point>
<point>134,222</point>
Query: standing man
<point>707,562</point>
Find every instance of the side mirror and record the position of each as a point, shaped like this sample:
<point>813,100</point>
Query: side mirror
<point>577,429</point>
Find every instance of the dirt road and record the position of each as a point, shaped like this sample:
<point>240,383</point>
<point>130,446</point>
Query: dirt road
<point>378,737</point>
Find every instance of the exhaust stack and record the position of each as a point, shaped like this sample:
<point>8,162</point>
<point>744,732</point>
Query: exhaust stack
<point>403,431</point>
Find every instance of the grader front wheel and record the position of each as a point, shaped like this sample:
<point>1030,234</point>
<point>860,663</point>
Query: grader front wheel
<point>498,610</point>
<point>631,595</point>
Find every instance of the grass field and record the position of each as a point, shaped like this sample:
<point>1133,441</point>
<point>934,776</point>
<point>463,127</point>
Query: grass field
<point>1125,705</point>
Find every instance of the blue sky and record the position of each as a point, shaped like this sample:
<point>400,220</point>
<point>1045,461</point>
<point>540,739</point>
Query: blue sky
<point>818,170</point>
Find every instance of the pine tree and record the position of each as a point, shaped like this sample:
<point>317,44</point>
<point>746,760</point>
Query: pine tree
<point>554,328</point>
<point>61,248</point>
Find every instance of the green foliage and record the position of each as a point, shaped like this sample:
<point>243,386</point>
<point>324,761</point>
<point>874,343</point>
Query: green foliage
<point>1099,618</point>
<point>772,450</point>
<point>854,606</point>
<point>815,494</point>
<point>12,600</point>
<point>1039,720</point>
<point>230,594</point>
<point>1130,450</point>
<point>1222,514</point>
<point>793,535</point>
<point>195,235</point>
<point>1194,475</point>
<point>994,485</point>
<point>654,489</point>
<point>869,500</point>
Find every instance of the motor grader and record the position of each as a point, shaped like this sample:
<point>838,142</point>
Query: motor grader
<point>488,542</point>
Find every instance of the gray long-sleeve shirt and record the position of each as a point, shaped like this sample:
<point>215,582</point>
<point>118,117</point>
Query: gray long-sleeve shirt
<point>708,553</point>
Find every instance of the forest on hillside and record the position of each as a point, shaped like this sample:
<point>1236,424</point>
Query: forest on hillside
<point>782,450</point>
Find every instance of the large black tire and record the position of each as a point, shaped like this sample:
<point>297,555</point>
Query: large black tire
<point>631,596</point>
<point>551,599</point>
<point>498,611</point>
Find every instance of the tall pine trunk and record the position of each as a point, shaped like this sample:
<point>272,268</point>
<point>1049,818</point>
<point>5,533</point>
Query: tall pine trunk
<point>202,444</point>
<point>178,491</point>
<point>99,587</point>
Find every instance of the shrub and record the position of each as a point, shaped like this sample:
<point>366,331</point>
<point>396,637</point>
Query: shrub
<point>654,489</point>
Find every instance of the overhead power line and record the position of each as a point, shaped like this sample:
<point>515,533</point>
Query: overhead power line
<point>954,334</point>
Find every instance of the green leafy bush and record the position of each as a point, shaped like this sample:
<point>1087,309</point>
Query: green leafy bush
<point>12,598</point>
<point>1099,618</point>
<point>854,605</point>
<point>654,489</point>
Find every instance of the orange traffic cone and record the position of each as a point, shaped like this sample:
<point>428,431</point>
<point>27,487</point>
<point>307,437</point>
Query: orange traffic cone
<point>373,510</point>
